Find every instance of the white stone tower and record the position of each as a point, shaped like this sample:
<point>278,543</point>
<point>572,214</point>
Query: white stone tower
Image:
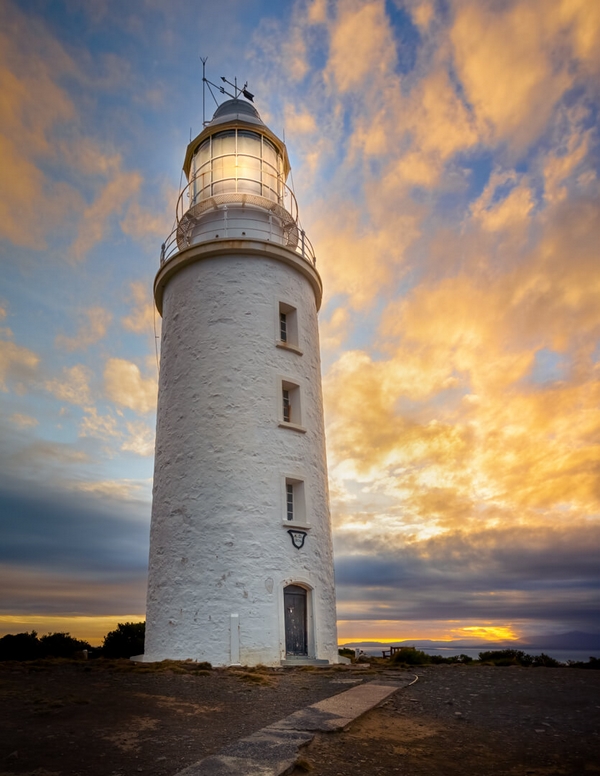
<point>241,565</point>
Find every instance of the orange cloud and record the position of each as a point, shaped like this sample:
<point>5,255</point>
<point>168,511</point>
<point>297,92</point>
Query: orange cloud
<point>90,332</point>
<point>17,364</point>
<point>111,199</point>
<point>361,44</point>
<point>125,386</point>
<point>141,318</point>
<point>73,386</point>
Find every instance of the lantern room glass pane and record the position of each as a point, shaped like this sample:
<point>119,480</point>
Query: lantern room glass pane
<point>237,161</point>
<point>248,143</point>
<point>223,143</point>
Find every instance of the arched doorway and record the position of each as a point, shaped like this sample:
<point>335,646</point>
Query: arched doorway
<point>295,605</point>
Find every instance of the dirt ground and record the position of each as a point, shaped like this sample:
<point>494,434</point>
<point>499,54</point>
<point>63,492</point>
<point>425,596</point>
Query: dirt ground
<point>115,718</point>
<point>473,721</point>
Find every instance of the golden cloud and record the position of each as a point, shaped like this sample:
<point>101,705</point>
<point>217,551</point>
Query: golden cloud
<point>93,424</point>
<point>361,44</point>
<point>125,385</point>
<point>23,421</point>
<point>119,489</point>
<point>17,364</point>
<point>142,317</point>
<point>90,332</point>
<point>506,59</point>
<point>73,386</point>
<point>140,440</point>
<point>112,199</point>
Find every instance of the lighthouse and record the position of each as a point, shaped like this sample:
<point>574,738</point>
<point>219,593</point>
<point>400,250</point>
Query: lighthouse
<point>241,562</point>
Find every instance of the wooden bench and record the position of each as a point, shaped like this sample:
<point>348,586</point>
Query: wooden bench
<point>390,652</point>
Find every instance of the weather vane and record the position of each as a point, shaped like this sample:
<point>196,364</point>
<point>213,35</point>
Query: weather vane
<point>237,90</point>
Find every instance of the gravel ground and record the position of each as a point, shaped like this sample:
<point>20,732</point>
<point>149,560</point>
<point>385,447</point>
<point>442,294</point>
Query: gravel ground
<point>475,720</point>
<point>118,718</point>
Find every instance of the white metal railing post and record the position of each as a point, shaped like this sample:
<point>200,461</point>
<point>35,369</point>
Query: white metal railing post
<point>225,220</point>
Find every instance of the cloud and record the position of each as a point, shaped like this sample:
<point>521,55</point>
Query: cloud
<point>140,440</point>
<point>32,106</point>
<point>18,365</point>
<point>90,332</point>
<point>520,574</point>
<point>151,225</point>
<point>361,36</point>
<point>111,199</point>
<point>125,385</point>
<point>141,319</point>
<point>88,532</point>
<point>93,424</point>
<point>23,421</point>
<point>44,127</point>
<point>125,489</point>
<point>42,458</point>
<point>73,386</point>
<point>65,552</point>
<point>508,212</point>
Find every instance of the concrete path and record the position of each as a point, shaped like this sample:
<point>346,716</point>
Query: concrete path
<point>273,750</point>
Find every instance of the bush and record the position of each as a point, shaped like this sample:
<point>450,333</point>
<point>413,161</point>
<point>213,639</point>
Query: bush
<point>506,657</point>
<point>61,645</point>
<point>546,661</point>
<point>593,663</point>
<point>411,656</point>
<point>125,641</point>
<point>20,646</point>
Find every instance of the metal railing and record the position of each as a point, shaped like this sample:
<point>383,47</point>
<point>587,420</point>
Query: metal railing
<point>281,227</point>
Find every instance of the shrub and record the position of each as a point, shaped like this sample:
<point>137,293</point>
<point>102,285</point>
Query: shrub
<point>593,663</point>
<point>411,656</point>
<point>506,657</point>
<point>20,646</point>
<point>61,645</point>
<point>546,661</point>
<point>125,641</point>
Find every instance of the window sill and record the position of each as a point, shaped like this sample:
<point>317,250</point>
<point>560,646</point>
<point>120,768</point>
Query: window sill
<point>287,346</point>
<point>297,524</point>
<point>292,427</point>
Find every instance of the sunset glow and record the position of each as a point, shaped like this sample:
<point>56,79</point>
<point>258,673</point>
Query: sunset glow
<point>445,159</point>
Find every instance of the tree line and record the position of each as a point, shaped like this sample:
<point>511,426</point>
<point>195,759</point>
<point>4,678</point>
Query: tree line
<point>126,640</point>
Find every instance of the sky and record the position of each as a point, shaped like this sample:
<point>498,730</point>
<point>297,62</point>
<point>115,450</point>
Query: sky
<point>445,158</point>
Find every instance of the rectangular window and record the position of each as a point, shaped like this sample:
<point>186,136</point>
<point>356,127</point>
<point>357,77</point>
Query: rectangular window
<point>287,327</point>
<point>295,501</point>
<point>290,406</point>
<point>287,407</point>
<point>283,327</point>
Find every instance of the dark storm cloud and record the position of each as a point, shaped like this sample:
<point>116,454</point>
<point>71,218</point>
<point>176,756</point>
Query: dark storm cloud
<point>71,552</point>
<point>524,573</point>
<point>53,530</point>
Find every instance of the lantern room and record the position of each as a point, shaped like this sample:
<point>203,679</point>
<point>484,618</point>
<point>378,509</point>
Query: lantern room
<point>236,171</point>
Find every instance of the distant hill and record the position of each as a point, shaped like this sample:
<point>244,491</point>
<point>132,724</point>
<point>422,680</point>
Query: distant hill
<point>575,640</point>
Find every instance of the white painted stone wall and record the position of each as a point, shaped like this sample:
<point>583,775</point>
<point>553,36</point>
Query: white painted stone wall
<point>219,542</point>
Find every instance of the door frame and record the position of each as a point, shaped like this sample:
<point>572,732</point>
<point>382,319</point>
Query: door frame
<point>310,623</point>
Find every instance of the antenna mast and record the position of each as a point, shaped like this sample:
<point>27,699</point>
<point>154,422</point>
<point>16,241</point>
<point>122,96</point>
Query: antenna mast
<point>203,60</point>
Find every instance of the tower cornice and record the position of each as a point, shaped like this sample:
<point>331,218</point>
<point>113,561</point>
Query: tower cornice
<point>226,247</point>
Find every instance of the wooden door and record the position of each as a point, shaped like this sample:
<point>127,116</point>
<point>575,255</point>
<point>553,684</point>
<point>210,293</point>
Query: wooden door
<point>294,600</point>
